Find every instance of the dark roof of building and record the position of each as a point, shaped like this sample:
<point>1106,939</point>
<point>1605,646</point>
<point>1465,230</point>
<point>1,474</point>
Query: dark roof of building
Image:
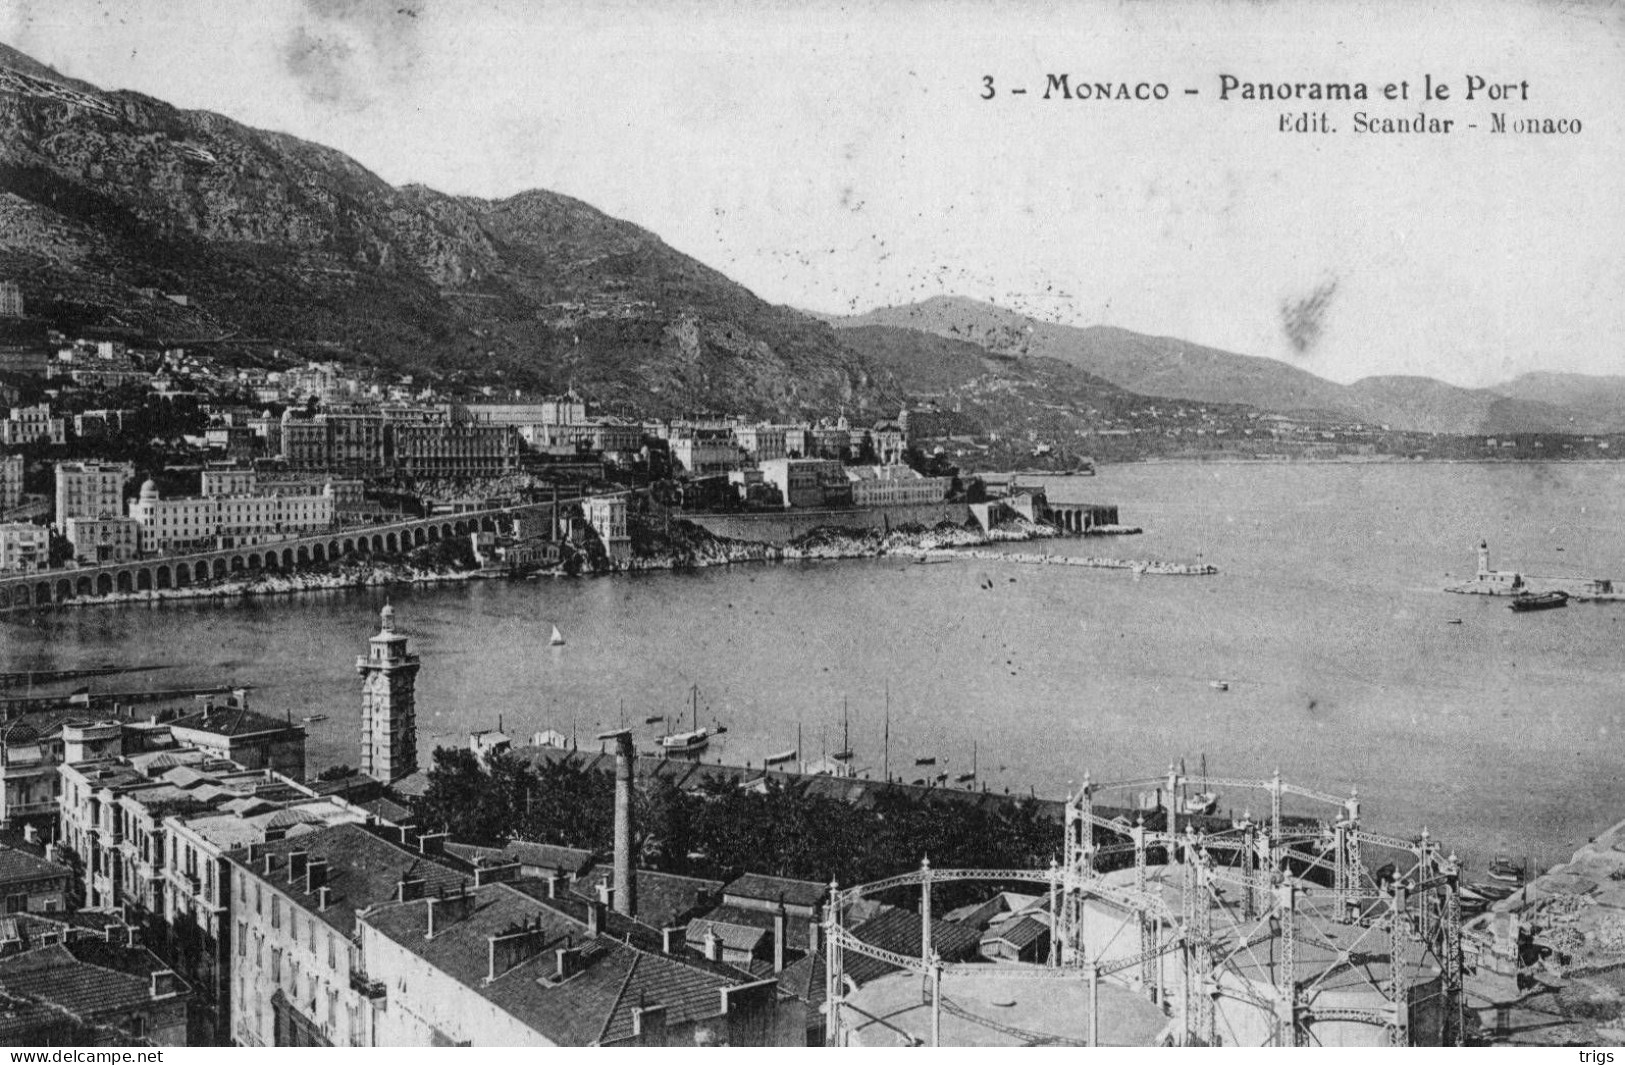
<point>804,979</point>
<point>87,979</point>
<point>806,893</point>
<point>356,786</point>
<point>17,866</point>
<point>37,724</point>
<point>412,786</point>
<point>796,929</point>
<point>1020,933</point>
<point>733,935</point>
<point>595,1005</point>
<point>362,870</point>
<point>665,900</point>
<point>389,810</point>
<point>549,856</point>
<point>232,721</point>
<point>899,932</point>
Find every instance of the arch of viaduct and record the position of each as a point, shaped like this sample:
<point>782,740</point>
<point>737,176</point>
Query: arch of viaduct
<point>181,571</point>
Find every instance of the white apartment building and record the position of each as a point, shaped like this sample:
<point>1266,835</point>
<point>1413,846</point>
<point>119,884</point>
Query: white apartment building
<point>90,490</point>
<point>168,524</point>
<point>24,547</point>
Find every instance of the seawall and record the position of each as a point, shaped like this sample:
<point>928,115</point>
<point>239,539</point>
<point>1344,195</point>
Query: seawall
<point>781,527</point>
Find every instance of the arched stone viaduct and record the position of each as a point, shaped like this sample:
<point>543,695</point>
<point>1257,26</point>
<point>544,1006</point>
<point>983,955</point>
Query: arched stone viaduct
<point>180,571</point>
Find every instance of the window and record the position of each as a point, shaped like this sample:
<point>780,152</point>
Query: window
<point>242,939</point>
<point>276,911</point>
<point>259,900</point>
<point>276,964</point>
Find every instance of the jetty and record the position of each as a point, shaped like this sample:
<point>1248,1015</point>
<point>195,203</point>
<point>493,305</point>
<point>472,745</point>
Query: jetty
<point>1024,558</point>
<point>31,677</point>
<point>107,701</point>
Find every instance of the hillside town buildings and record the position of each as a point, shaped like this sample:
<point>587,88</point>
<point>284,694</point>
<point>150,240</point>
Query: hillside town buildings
<point>24,548</point>
<point>32,425</point>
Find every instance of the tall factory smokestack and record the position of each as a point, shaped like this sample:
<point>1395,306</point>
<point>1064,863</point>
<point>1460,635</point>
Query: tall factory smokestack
<point>626,892</point>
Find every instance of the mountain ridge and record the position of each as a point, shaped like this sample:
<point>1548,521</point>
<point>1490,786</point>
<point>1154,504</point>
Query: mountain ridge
<point>271,236</point>
<point>1172,368</point>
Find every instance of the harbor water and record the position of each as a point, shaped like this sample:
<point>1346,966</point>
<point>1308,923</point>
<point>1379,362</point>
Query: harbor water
<point>1343,662</point>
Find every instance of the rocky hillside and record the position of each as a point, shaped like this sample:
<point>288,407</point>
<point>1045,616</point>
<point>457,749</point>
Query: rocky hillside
<point>272,238</point>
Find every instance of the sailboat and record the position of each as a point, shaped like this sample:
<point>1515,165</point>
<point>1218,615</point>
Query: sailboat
<point>966,778</point>
<point>845,753</point>
<point>557,639</point>
<point>692,741</point>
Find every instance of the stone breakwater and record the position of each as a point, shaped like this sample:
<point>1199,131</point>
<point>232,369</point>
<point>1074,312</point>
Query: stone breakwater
<point>1154,566</point>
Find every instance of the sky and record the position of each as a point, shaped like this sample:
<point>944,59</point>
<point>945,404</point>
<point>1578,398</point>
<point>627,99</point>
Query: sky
<point>840,157</point>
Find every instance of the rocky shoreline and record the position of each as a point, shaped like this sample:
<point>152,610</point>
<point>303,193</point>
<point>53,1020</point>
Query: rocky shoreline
<point>696,550</point>
<point>267,583</point>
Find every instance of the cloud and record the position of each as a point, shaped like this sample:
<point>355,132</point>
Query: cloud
<point>1302,319</point>
<point>348,54</point>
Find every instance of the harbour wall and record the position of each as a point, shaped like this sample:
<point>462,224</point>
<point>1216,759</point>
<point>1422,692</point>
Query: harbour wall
<point>781,527</point>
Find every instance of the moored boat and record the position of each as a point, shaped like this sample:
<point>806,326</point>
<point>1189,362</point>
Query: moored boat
<point>1538,600</point>
<point>557,639</point>
<point>695,739</point>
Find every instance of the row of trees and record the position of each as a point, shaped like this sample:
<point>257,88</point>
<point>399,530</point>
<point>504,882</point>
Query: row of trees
<point>720,830</point>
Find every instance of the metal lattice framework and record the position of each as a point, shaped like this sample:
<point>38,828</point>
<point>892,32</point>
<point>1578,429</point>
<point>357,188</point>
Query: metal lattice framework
<point>1304,887</point>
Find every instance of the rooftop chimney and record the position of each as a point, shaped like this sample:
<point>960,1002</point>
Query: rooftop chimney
<point>596,917</point>
<point>711,944</point>
<point>30,834</point>
<point>626,891</point>
<point>315,875</point>
<point>778,937</point>
<point>164,984</point>
<point>669,937</point>
<point>296,865</point>
<point>431,844</point>
<point>266,862</point>
<point>569,962</point>
<point>409,889</point>
<point>552,885</point>
<point>446,909</point>
<point>649,1025</point>
<point>323,895</point>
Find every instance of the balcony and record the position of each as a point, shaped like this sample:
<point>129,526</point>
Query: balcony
<point>367,988</point>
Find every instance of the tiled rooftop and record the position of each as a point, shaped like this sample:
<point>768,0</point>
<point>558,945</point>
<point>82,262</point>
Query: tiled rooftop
<point>17,866</point>
<point>593,1006</point>
<point>362,870</point>
<point>232,721</point>
<point>664,899</point>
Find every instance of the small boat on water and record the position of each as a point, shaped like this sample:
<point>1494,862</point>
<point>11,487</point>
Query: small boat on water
<point>693,741</point>
<point>557,639</point>
<point>925,761</point>
<point>845,753</point>
<point>780,758</point>
<point>311,719</point>
<point>1453,621</point>
<point>1219,685</point>
<point>653,719</point>
<point>1538,600</point>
